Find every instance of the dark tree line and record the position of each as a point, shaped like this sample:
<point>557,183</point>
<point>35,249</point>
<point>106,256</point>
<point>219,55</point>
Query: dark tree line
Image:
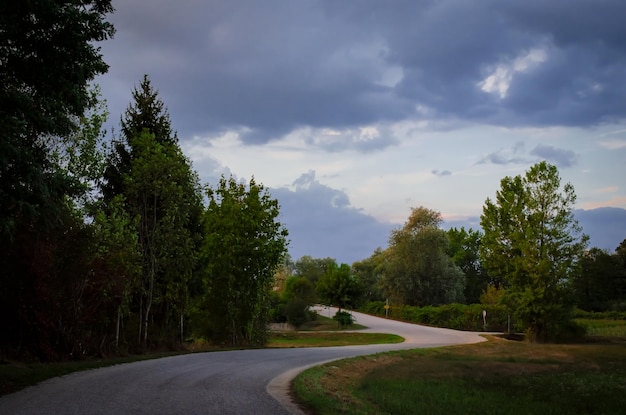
<point>107,246</point>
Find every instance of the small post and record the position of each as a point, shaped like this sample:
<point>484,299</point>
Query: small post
<point>508,325</point>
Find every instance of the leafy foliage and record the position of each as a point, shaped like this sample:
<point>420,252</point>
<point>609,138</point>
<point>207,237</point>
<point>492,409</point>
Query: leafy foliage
<point>418,270</point>
<point>344,318</point>
<point>338,286</point>
<point>601,283</point>
<point>244,244</point>
<point>463,248</point>
<point>533,243</point>
<point>47,59</point>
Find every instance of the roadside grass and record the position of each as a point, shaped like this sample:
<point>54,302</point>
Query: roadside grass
<point>15,376</point>
<point>603,328</point>
<point>322,323</point>
<point>494,377</point>
<point>325,339</point>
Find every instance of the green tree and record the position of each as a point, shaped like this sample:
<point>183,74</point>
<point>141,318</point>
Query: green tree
<point>163,193</point>
<point>339,287</point>
<point>533,243</point>
<point>463,247</point>
<point>601,282</point>
<point>313,268</point>
<point>244,244</point>
<point>369,273</point>
<point>146,113</point>
<point>160,189</point>
<point>47,59</point>
<point>418,270</point>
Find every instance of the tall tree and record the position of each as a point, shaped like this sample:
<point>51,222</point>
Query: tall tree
<point>162,191</point>
<point>244,244</point>
<point>47,59</point>
<point>146,113</point>
<point>159,187</point>
<point>418,270</point>
<point>533,243</point>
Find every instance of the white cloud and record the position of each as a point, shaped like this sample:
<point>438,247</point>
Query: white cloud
<point>501,77</point>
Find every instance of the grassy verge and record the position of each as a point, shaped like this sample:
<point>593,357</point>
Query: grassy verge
<point>495,377</point>
<point>604,328</point>
<point>322,323</point>
<point>313,339</point>
<point>18,375</point>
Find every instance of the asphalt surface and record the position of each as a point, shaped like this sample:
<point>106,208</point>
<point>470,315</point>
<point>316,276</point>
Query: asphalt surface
<point>231,382</point>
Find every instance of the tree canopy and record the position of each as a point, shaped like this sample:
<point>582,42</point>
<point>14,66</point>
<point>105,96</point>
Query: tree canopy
<point>533,243</point>
<point>243,246</point>
<point>418,270</point>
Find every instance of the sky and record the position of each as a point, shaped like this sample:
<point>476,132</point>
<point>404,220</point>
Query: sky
<point>354,112</point>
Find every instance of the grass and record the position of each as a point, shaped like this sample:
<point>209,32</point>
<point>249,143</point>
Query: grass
<point>494,377</point>
<point>322,323</point>
<point>604,328</point>
<point>19,375</point>
<point>325,339</point>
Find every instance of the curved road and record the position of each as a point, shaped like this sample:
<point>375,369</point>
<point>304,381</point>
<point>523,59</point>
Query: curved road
<point>231,382</point>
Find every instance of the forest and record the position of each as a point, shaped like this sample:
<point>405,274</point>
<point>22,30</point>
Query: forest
<point>110,244</point>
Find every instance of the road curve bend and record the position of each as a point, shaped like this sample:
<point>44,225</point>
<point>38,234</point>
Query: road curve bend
<point>230,382</point>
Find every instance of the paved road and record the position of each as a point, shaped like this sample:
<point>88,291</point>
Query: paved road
<point>232,382</point>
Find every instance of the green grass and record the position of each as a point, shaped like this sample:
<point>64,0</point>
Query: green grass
<point>322,323</point>
<point>495,377</point>
<point>604,328</point>
<point>325,339</point>
<point>18,375</point>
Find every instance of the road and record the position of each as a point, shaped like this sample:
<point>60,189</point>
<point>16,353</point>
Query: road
<point>230,382</point>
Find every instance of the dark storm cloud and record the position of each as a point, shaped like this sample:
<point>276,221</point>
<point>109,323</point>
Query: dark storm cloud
<point>322,223</point>
<point>559,157</point>
<point>269,67</point>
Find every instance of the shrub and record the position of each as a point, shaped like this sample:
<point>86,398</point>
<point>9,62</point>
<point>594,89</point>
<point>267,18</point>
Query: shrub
<point>344,318</point>
<point>297,312</point>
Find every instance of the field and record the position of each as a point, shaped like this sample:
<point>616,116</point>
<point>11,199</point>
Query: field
<point>494,377</point>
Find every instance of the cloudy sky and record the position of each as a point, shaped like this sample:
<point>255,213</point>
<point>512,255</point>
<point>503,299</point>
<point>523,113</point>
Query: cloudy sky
<point>354,111</point>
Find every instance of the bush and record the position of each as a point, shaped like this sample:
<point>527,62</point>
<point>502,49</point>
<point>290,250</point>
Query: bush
<point>297,312</point>
<point>453,316</point>
<point>344,318</point>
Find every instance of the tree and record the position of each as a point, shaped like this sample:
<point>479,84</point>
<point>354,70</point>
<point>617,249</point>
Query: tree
<point>47,60</point>
<point>601,281</point>
<point>162,192</point>
<point>369,273</point>
<point>532,242</point>
<point>418,270</point>
<point>160,189</point>
<point>338,286</point>
<point>463,248</point>
<point>146,113</point>
<point>244,244</point>
<point>313,268</point>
